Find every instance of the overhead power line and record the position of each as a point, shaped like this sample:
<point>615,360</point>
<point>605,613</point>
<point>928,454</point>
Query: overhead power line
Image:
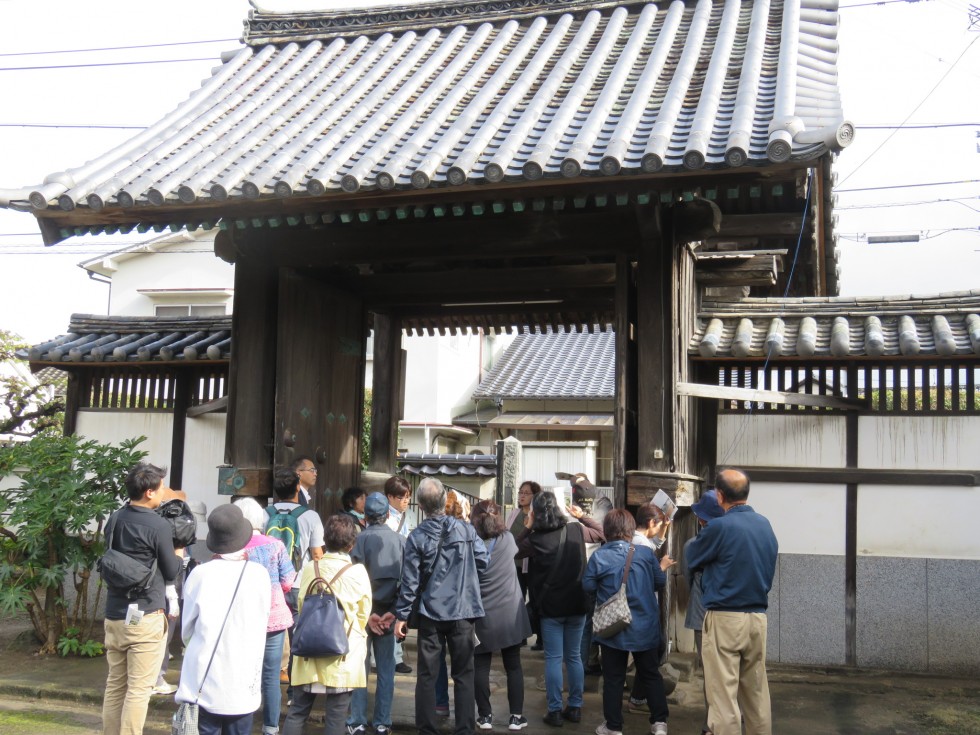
<point>107,63</point>
<point>115,48</point>
<point>73,127</point>
<point>906,186</point>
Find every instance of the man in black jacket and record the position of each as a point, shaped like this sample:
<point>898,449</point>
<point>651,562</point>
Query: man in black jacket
<point>136,619</point>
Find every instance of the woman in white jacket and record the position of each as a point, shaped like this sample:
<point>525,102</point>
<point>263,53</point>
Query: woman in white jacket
<point>226,611</point>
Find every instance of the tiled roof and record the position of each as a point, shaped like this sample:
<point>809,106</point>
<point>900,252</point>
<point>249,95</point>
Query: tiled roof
<point>447,465</point>
<point>554,365</point>
<point>128,339</point>
<point>450,93</point>
<point>946,325</point>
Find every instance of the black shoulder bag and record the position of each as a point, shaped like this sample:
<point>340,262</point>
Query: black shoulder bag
<point>121,571</point>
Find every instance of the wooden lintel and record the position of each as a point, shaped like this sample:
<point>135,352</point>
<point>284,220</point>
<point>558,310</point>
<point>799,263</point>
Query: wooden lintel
<point>219,404</point>
<point>784,224</point>
<point>844,476</point>
<point>736,277</point>
<point>696,220</point>
<point>701,390</point>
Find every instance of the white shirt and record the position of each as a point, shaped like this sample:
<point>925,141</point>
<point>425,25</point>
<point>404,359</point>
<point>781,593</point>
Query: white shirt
<point>234,682</point>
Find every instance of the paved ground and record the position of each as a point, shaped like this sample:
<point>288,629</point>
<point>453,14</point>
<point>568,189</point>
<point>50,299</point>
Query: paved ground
<point>50,695</point>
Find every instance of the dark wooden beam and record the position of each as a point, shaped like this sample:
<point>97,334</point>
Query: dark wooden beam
<point>624,414</point>
<point>182,401</point>
<point>696,220</point>
<point>385,392</point>
<point>850,533</point>
<point>783,224</point>
<point>215,406</point>
<point>844,475</point>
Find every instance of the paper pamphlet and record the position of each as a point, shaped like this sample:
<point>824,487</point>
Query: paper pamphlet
<point>662,500</point>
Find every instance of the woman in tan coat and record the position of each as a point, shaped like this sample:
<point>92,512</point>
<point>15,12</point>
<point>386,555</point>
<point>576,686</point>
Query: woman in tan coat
<point>334,676</point>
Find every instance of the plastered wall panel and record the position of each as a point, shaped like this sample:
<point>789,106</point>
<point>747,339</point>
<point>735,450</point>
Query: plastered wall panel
<point>918,522</point>
<point>919,442</point>
<point>781,441</point>
<point>811,609</point>
<point>114,427</point>
<point>891,613</point>
<point>954,624</point>
<point>807,519</point>
<point>204,450</point>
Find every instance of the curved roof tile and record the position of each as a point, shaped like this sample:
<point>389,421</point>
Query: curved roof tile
<point>443,94</point>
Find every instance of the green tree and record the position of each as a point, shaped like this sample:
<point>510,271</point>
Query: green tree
<point>52,532</point>
<point>27,409</point>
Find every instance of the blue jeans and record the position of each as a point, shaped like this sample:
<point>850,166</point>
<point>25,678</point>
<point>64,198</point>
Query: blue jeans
<point>563,642</point>
<point>271,693</point>
<point>212,724</point>
<point>384,658</point>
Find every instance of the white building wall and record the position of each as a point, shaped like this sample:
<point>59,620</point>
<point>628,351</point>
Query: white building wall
<point>771,440</point>
<point>188,265</point>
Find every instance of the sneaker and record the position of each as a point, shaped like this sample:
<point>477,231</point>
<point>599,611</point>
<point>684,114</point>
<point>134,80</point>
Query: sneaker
<point>382,730</point>
<point>638,706</point>
<point>554,718</point>
<point>603,730</point>
<point>572,714</point>
<point>517,722</point>
<point>442,710</point>
<point>485,722</point>
<point>403,668</point>
<point>356,730</point>
<point>164,688</point>
<point>658,728</point>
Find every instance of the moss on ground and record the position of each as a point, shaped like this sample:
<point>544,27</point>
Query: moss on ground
<point>960,719</point>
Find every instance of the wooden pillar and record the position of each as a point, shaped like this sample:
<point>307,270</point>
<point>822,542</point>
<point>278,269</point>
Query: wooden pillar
<point>850,526</point>
<point>624,417</point>
<point>654,340</point>
<point>77,383</point>
<point>252,373</point>
<point>182,400</point>
<point>386,408</point>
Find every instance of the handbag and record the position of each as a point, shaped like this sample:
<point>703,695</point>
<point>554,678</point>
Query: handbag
<point>415,614</point>
<point>614,615</point>
<point>123,572</point>
<point>185,718</point>
<point>320,629</point>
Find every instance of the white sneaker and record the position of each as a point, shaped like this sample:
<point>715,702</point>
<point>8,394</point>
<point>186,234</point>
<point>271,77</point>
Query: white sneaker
<point>164,688</point>
<point>658,728</point>
<point>603,730</point>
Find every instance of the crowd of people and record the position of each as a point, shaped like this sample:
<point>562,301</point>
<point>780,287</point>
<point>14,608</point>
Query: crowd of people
<point>472,582</point>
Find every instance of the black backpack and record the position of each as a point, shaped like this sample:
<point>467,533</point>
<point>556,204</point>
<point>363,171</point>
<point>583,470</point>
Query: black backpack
<point>182,521</point>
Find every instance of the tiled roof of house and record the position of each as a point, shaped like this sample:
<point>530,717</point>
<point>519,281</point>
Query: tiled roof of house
<point>945,325</point>
<point>447,465</point>
<point>554,365</point>
<point>469,92</point>
<point>129,339</point>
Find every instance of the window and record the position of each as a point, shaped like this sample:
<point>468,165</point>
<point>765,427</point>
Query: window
<point>191,310</point>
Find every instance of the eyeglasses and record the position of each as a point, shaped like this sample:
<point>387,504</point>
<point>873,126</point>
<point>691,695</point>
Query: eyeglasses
<point>310,469</point>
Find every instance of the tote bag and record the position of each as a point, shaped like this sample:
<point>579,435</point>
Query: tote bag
<point>614,615</point>
<point>185,720</point>
<point>321,628</point>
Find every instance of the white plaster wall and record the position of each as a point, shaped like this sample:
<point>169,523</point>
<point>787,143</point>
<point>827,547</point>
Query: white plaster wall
<point>540,461</point>
<point>807,519</point>
<point>918,522</point>
<point>204,450</point>
<point>178,266</point>
<point>919,442</point>
<point>781,441</point>
<point>115,426</point>
<point>439,377</point>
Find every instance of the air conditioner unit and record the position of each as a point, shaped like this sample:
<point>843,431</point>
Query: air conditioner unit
<point>474,449</point>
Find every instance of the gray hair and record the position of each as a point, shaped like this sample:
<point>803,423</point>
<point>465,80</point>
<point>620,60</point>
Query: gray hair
<point>253,513</point>
<point>432,497</point>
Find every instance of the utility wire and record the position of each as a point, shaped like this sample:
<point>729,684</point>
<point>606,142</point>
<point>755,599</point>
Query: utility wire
<point>906,186</point>
<point>73,127</point>
<point>916,109</point>
<point>115,48</point>
<point>924,126</point>
<point>108,63</point>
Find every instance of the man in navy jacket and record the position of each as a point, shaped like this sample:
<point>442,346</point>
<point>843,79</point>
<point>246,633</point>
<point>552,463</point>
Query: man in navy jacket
<point>737,556</point>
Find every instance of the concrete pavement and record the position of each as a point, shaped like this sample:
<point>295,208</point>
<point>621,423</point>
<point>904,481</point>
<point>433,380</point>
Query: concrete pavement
<point>806,700</point>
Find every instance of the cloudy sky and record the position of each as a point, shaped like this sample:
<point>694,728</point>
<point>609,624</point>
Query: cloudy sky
<point>902,64</point>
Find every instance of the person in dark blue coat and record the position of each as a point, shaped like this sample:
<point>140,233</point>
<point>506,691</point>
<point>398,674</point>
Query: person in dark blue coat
<point>737,554</point>
<point>603,576</point>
